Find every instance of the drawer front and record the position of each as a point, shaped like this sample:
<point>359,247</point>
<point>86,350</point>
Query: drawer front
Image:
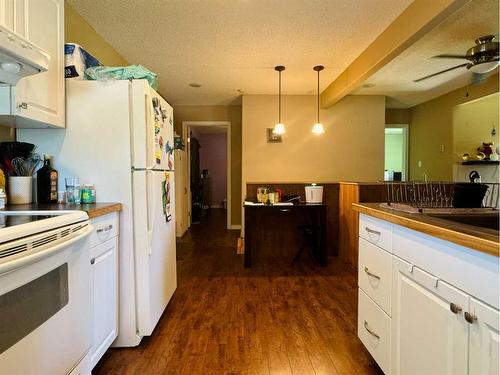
<point>455,264</point>
<point>374,331</point>
<point>105,228</point>
<point>378,232</point>
<point>375,274</point>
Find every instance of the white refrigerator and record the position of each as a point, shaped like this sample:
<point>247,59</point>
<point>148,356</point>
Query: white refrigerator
<point>119,137</point>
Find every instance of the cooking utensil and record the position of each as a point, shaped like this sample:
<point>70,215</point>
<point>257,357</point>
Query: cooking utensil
<point>469,195</point>
<point>11,150</point>
<point>18,166</point>
<point>25,166</point>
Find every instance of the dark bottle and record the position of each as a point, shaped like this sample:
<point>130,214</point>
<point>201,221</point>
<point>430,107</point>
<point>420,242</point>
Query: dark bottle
<point>47,182</point>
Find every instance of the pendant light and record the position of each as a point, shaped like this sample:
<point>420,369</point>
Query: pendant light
<point>318,127</point>
<point>279,128</point>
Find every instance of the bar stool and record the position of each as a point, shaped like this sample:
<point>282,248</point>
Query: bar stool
<point>309,241</point>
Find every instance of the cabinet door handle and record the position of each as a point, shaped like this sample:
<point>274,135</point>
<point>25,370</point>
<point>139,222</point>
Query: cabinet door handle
<point>471,318</point>
<point>369,230</point>
<point>367,271</point>
<point>92,261</point>
<point>285,210</point>
<point>23,105</point>
<point>454,308</point>
<point>370,331</point>
<point>107,229</point>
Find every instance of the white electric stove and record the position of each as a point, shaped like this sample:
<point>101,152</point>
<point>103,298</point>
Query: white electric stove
<point>45,295</point>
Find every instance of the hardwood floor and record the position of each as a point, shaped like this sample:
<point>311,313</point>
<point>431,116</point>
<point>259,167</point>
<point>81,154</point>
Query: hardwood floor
<point>273,318</point>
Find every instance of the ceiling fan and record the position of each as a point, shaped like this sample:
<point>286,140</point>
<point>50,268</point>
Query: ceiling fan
<point>483,58</point>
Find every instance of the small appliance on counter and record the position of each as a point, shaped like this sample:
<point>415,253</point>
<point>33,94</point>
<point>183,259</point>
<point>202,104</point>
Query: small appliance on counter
<point>314,193</point>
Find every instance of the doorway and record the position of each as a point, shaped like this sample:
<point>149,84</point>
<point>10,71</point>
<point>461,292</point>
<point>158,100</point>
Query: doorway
<point>208,182</point>
<point>396,152</point>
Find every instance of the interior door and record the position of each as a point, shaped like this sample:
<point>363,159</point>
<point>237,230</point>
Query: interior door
<point>155,255</point>
<point>429,334</point>
<point>484,349</point>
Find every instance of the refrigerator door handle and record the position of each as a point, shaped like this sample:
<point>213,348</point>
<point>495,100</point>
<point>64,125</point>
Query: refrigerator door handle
<point>147,113</point>
<point>151,198</point>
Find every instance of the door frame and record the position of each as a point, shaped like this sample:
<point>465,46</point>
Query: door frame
<point>186,125</point>
<point>406,150</point>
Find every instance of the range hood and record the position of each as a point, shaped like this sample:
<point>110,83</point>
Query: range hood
<point>19,57</point>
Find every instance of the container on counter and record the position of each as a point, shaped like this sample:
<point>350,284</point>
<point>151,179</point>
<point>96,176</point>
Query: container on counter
<point>61,197</point>
<point>47,180</point>
<point>20,189</point>
<point>3,199</point>
<point>88,194</point>
<point>73,190</point>
<point>262,194</point>
<point>314,194</point>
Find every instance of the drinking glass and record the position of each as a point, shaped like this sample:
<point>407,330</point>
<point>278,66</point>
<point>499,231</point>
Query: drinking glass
<point>73,190</point>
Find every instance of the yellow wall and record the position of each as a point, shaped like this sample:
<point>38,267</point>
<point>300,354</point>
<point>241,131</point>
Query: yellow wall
<point>431,127</point>
<point>351,149</point>
<point>78,31</point>
<point>397,116</point>
<point>219,113</point>
<point>472,125</point>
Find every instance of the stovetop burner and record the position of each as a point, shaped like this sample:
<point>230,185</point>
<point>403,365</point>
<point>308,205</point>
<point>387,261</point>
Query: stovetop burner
<point>18,224</point>
<point>9,220</point>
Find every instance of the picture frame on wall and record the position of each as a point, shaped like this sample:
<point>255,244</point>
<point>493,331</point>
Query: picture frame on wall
<point>273,138</point>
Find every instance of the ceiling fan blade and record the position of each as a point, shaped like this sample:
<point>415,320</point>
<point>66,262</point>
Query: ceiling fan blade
<point>441,72</point>
<point>450,56</point>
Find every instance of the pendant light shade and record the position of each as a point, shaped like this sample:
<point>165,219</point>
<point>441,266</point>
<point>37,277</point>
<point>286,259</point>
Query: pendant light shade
<point>318,128</point>
<point>279,128</point>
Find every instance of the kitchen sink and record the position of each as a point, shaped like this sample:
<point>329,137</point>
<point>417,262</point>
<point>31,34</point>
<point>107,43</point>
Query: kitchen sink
<point>482,220</point>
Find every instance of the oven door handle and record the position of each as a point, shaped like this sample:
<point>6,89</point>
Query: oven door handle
<point>32,258</point>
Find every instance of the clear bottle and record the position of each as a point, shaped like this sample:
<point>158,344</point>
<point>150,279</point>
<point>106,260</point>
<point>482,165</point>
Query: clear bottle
<point>47,179</point>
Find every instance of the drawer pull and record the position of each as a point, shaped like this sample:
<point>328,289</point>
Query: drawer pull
<point>369,230</point>
<point>367,271</point>
<point>471,318</point>
<point>107,229</point>
<point>285,210</point>
<point>454,308</point>
<point>370,331</point>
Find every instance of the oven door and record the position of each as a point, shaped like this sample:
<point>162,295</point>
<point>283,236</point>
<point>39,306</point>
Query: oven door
<point>45,306</point>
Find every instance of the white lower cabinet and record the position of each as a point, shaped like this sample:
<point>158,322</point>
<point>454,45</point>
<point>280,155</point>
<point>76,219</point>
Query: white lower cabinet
<point>484,347</point>
<point>104,266</point>
<point>432,326</point>
<point>374,330</point>
<point>427,336</point>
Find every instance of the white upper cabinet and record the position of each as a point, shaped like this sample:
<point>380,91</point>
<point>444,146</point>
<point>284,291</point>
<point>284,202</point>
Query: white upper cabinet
<point>484,348</point>
<point>37,101</point>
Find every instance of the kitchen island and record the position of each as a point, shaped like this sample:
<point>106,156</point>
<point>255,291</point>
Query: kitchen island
<point>428,296</point>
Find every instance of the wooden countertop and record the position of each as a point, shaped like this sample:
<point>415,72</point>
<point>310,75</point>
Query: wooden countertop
<point>480,239</point>
<point>93,209</point>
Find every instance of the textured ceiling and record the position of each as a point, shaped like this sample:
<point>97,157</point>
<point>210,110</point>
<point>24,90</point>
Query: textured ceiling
<point>227,45</point>
<point>454,35</point>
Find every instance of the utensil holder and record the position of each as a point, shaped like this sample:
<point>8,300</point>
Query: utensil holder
<point>20,189</point>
